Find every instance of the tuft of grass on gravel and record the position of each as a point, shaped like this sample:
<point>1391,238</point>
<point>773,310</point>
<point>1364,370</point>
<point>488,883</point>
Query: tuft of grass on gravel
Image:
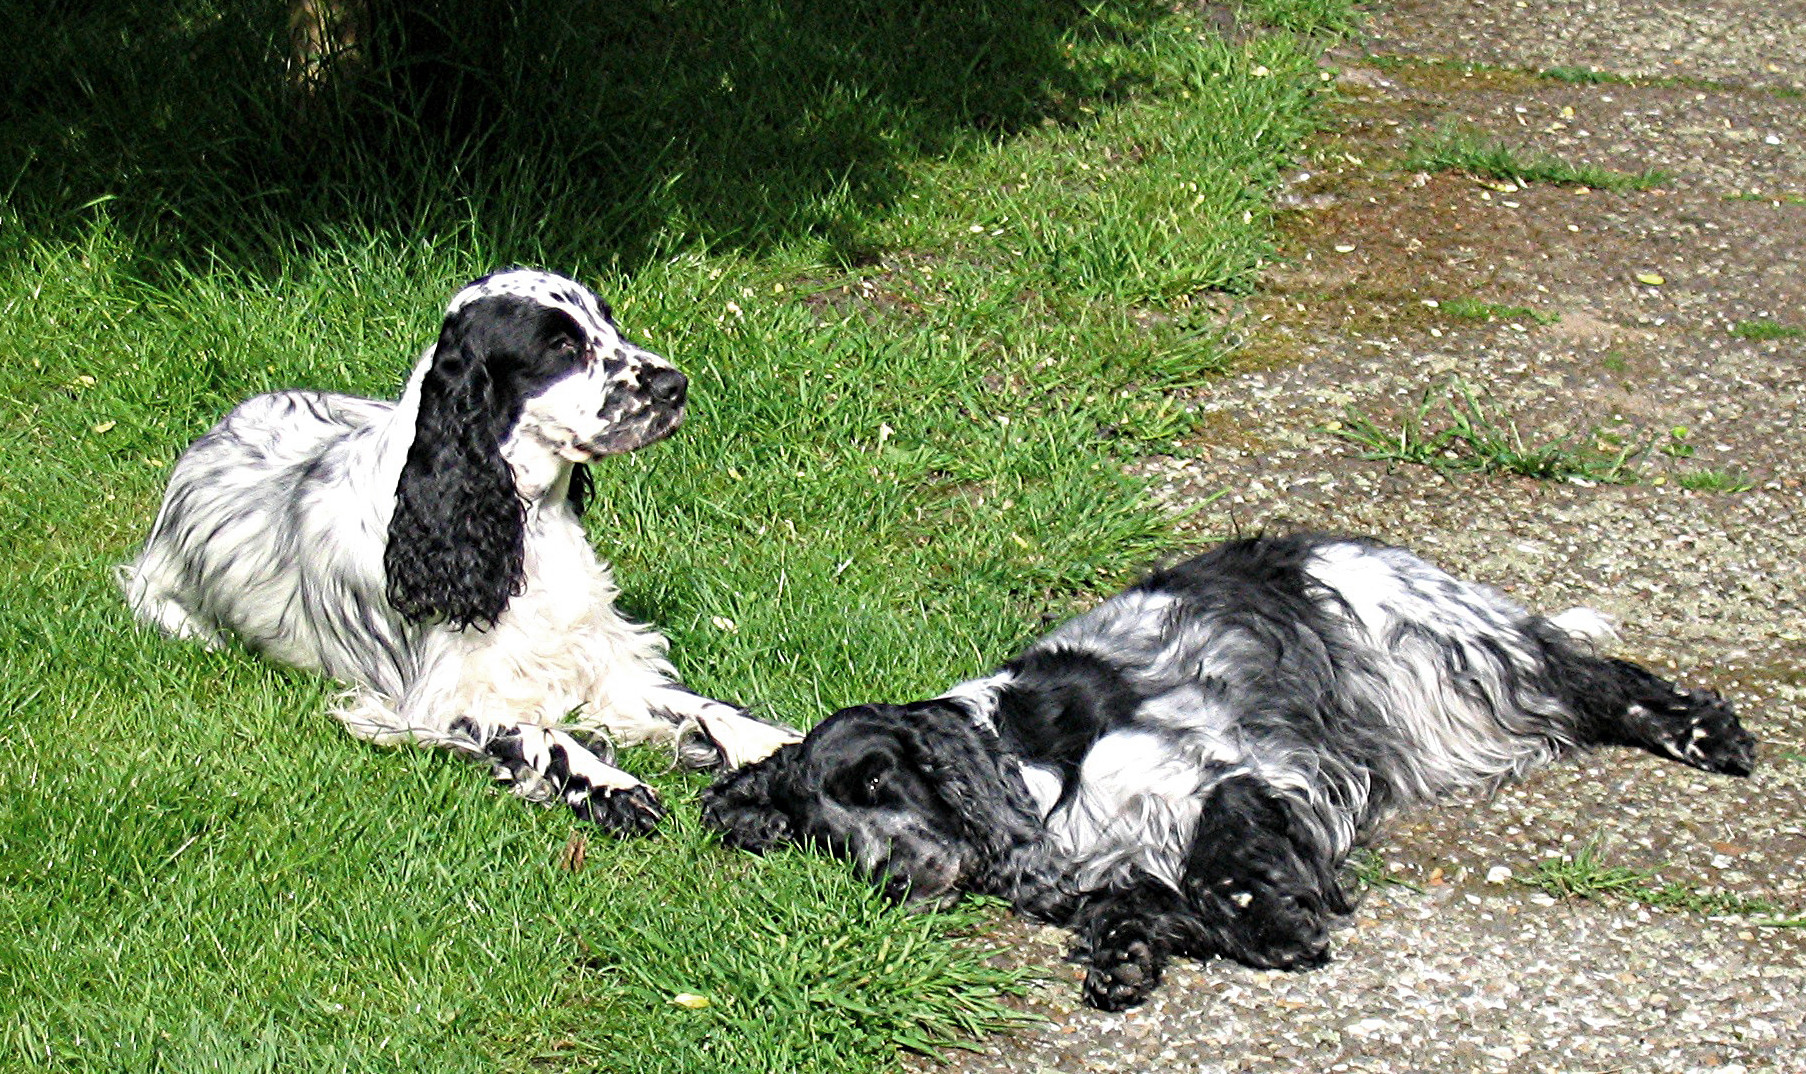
<point>1762,330</point>
<point>1461,149</point>
<point>1714,481</point>
<point>1473,309</point>
<point>1368,869</point>
<point>1472,440</point>
<point>1583,76</point>
<point>1305,16</point>
<point>1773,199</point>
<point>932,287</point>
<point>1585,875</point>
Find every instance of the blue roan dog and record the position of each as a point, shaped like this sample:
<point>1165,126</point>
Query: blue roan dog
<point>1184,769</point>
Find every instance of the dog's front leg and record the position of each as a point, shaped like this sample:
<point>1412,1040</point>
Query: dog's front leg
<point>547,763</point>
<point>1125,935</point>
<point>728,735</point>
<point>1261,889</point>
<point>539,763</point>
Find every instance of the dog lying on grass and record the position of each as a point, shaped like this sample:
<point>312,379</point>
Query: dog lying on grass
<point>428,552</point>
<point>1184,769</point>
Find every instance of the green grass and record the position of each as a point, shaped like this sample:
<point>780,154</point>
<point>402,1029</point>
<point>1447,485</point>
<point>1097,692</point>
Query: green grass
<point>1305,16</point>
<point>1763,330</point>
<point>932,272</point>
<point>580,130</point>
<point>1584,76</point>
<point>1368,869</point>
<point>1777,199</point>
<point>1714,481</point>
<point>1675,445</point>
<point>1473,309</point>
<point>1472,440</point>
<point>1459,149</point>
<point>1585,875</point>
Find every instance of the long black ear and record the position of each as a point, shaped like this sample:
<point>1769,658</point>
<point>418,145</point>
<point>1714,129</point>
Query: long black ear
<point>457,540</point>
<point>742,805</point>
<point>582,490</point>
<point>985,789</point>
<point>968,771</point>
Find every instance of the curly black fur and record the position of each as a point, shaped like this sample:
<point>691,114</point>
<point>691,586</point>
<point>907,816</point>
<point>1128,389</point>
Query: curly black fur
<point>456,545</point>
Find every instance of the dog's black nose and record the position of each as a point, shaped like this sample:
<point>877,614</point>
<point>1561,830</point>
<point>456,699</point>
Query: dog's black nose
<point>667,386</point>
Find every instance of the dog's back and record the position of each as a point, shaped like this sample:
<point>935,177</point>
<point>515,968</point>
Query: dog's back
<point>231,551</point>
<point>1350,676</point>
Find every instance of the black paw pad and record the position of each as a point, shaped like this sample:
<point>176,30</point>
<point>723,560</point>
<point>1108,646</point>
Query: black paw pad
<point>1122,974</point>
<point>626,812</point>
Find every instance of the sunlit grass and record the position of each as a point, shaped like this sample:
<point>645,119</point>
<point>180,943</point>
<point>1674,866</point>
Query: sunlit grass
<point>1463,150</point>
<point>1585,875</point>
<point>1453,430</point>
<point>915,384</point>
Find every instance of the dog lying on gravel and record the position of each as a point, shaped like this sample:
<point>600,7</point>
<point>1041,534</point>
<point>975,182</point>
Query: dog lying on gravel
<point>1184,769</point>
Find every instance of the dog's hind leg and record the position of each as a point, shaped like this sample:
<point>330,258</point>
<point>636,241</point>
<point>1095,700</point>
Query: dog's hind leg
<point>152,589</point>
<point>1620,703</point>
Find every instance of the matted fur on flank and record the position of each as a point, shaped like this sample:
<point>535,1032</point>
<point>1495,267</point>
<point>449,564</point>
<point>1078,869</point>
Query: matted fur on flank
<point>1184,769</point>
<point>428,552</point>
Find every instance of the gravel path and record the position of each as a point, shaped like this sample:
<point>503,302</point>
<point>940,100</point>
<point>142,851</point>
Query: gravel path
<point>1453,971</point>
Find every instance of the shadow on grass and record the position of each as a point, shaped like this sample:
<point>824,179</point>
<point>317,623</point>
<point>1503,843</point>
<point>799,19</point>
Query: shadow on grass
<point>571,131</point>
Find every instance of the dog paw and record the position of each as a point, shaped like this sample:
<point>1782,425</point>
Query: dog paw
<point>621,811</point>
<point>1124,969</point>
<point>1291,936</point>
<point>1717,742</point>
<point>1699,728</point>
<point>732,740</point>
<point>695,749</point>
<point>1270,926</point>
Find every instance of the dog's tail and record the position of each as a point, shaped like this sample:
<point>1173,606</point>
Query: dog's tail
<point>1587,625</point>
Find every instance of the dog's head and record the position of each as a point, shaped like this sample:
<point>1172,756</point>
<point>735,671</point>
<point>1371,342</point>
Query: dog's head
<point>529,380</point>
<point>914,796</point>
<point>556,369</point>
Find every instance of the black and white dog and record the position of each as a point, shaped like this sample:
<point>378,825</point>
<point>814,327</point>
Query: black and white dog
<point>1184,769</point>
<point>428,552</point>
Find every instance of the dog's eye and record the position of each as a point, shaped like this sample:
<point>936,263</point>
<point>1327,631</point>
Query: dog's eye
<point>863,786</point>
<point>865,789</point>
<point>564,346</point>
<point>867,793</point>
